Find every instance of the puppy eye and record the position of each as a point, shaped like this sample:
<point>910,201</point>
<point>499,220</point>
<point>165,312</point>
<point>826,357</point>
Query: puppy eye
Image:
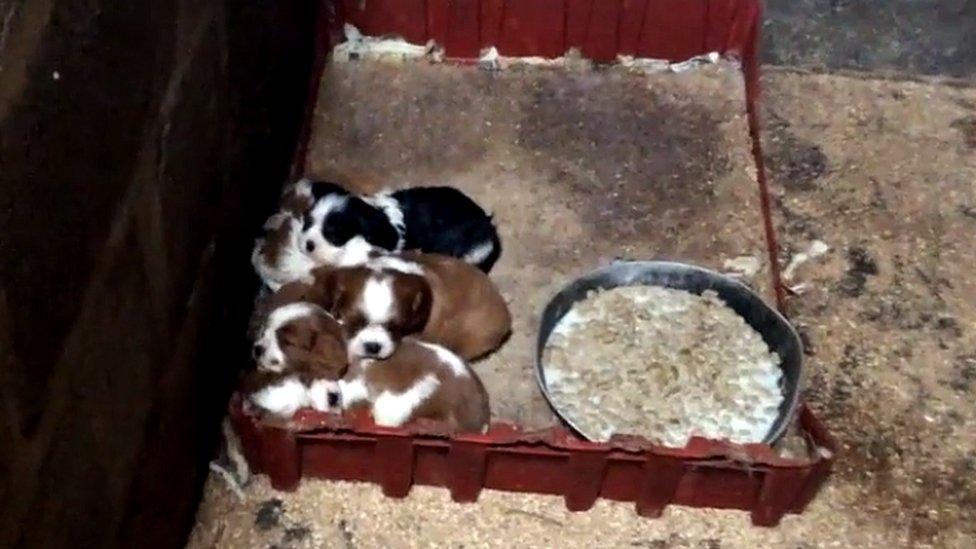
<point>309,246</point>
<point>333,399</point>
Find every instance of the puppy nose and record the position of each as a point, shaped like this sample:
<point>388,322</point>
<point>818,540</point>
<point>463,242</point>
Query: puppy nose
<point>333,399</point>
<point>309,246</point>
<point>372,348</point>
<point>258,351</point>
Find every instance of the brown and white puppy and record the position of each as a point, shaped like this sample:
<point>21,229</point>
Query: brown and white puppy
<point>277,256</point>
<point>300,355</point>
<point>439,299</point>
<point>419,380</point>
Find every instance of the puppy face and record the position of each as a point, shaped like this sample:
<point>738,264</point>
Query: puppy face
<point>378,308</point>
<point>277,257</point>
<point>340,225</point>
<point>301,337</point>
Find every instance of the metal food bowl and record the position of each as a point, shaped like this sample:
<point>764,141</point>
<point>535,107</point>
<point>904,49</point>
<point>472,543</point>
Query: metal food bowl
<point>775,330</point>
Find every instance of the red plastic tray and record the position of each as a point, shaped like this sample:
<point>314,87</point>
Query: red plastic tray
<point>554,461</point>
<point>705,473</point>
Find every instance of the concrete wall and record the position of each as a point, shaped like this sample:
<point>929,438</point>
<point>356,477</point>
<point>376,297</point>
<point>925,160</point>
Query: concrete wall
<point>137,142</point>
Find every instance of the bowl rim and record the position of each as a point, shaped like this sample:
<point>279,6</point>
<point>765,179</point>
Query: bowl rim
<point>780,425</point>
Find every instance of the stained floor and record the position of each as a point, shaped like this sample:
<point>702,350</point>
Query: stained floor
<point>578,168</point>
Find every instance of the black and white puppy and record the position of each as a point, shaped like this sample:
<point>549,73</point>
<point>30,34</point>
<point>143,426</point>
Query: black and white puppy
<point>342,228</point>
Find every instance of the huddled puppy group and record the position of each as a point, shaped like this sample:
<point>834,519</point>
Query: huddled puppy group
<point>376,302</point>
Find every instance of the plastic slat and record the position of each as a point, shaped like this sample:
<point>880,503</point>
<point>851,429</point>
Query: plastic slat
<point>673,29</point>
<point>601,33</point>
<point>660,477</point>
<point>534,28</point>
<point>406,18</point>
<point>718,24</point>
<point>463,32</point>
<point>585,472</point>
<point>492,12</point>
<point>577,22</point>
<point>780,488</point>
<point>631,24</point>
<point>280,458</point>
<point>466,464</point>
<point>393,462</point>
<point>437,16</point>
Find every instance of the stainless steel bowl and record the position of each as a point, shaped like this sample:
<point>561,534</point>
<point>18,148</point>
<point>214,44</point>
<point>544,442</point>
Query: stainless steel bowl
<point>776,331</point>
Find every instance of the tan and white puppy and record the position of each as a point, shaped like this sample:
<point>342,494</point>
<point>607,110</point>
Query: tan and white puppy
<point>300,355</point>
<point>277,257</point>
<point>419,380</point>
<point>439,299</point>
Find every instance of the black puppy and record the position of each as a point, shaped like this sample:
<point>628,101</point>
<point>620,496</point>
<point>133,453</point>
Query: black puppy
<point>342,228</point>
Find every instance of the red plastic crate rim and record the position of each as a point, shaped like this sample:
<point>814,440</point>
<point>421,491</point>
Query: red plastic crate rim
<point>554,461</point>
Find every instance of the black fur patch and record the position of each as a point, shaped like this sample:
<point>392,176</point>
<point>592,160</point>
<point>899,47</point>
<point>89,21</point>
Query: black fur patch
<point>444,220</point>
<point>325,188</point>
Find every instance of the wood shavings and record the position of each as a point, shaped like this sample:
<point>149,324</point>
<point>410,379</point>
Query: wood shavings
<point>662,363</point>
<point>359,47</point>
<point>816,249</point>
<point>745,265</point>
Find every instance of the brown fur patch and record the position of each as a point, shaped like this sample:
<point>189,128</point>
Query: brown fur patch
<point>459,401</point>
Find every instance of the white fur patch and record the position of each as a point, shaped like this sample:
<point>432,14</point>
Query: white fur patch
<point>303,187</point>
<point>377,299</point>
<point>318,395</point>
<point>454,362</point>
<point>377,306</point>
<point>355,252</point>
<point>273,358</point>
<point>282,399</point>
<point>479,253</point>
<point>353,391</point>
<point>373,335</point>
<point>324,252</point>
<point>392,410</point>
<point>395,264</point>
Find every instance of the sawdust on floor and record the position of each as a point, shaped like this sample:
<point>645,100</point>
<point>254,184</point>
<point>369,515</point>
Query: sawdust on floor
<point>578,167</point>
<point>884,173</point>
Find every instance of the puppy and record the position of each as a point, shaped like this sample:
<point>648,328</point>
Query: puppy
<point>277,256</point>
<point>440,299</point>
<point>341,227</point>
<point>419,380</point>
<point>282,394</point>
<point>300,355</point>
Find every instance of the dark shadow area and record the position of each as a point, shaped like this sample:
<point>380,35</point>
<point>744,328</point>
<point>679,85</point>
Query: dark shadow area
<point>138,142</point>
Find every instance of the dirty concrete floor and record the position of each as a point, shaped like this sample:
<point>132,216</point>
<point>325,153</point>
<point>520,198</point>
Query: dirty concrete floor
<point>932,37</point>
<point>578,167</point>
<point>884,173</point>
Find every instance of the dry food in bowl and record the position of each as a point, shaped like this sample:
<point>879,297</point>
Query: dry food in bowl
<point>667,351</point>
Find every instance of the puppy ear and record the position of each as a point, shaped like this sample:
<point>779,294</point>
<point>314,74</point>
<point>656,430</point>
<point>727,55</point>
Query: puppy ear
<point>297,336</point>
<point>329,348</point>
<point>329,288</point>
<point>374,225</point>
<point>293,292</point>
<point>419,302</point>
